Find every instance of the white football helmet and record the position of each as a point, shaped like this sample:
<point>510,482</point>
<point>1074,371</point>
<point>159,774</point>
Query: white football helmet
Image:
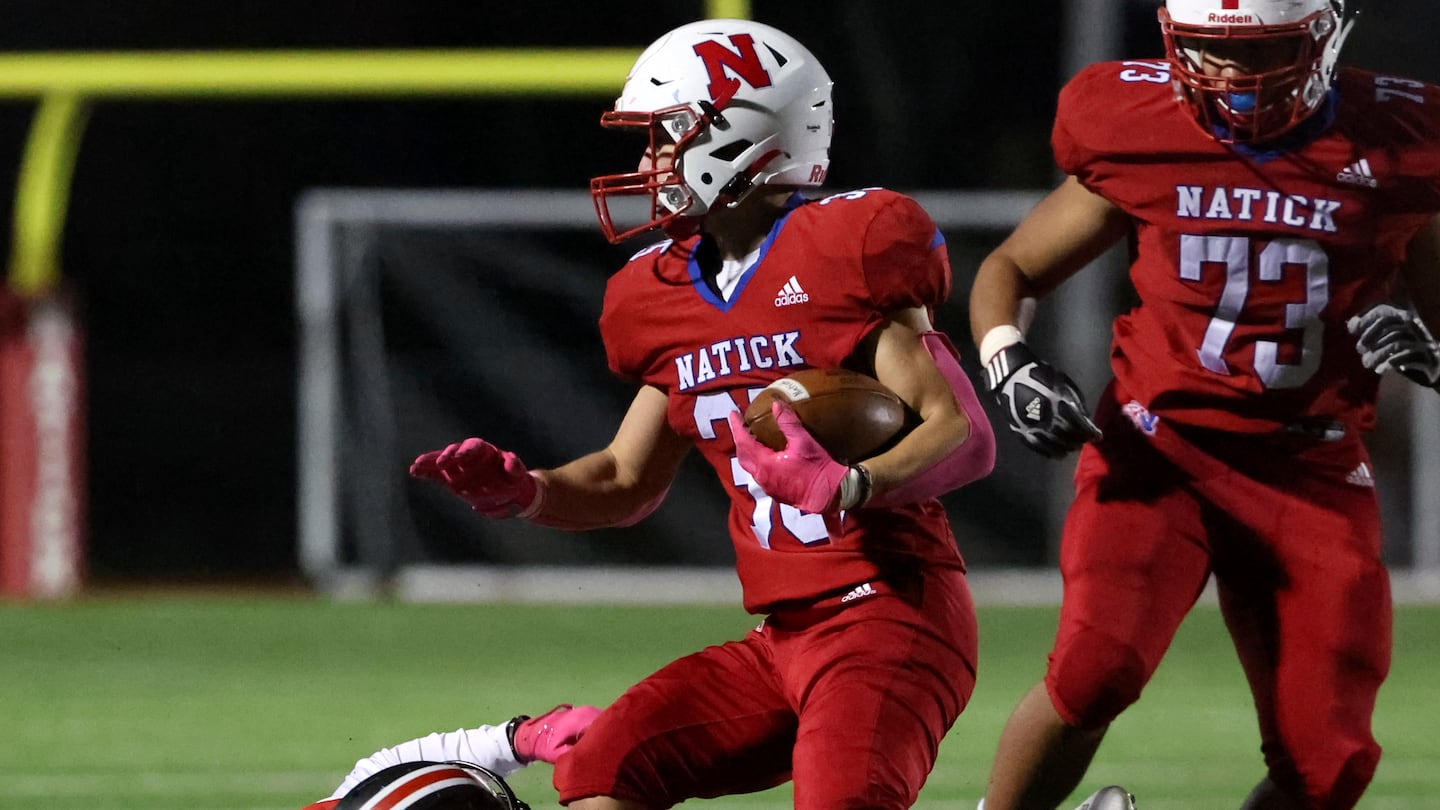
<point>743,104</point>
<point>1305,35</point>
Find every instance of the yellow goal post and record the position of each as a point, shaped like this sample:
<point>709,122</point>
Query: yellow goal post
<point>66,83</point>
<point>42,471</point>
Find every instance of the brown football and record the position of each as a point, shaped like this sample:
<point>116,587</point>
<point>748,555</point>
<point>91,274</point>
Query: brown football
<point>851,415</point>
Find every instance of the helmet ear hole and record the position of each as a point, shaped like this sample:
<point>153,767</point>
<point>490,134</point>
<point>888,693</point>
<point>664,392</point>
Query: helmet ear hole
<point>731,151</point>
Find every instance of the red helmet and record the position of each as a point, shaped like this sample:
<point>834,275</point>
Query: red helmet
<point>1301,40</point>
<point>740,104</point>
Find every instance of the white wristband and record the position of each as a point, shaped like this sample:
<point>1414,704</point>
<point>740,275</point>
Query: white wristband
<point>539,502</point>
<point>855,487</point>
<point>997,339</point>
<point>849,488</point>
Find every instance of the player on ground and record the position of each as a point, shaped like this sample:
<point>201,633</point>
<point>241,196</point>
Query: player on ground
<point>867,652</point>
<point>500,750</point>
<point>1269,202</point>
<point>426,785</point>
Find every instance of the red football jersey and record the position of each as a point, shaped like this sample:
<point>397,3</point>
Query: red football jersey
<point>827,274</point>
<point>1247,263</point>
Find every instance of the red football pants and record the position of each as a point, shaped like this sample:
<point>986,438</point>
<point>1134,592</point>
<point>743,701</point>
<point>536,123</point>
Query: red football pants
<point>1295,550</point>
<point>850,699</point>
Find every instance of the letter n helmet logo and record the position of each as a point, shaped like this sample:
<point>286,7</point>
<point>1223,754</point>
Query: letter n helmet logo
<point>743,61</point>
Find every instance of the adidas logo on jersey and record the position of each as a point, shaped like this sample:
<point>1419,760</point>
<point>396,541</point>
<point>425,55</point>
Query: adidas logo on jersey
<point>791,294</point>
<point>1358,174</point>
<point>1361,476</point>
<point>859,591</point>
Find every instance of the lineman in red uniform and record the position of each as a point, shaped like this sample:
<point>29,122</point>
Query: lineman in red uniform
<point>1263,243</point>
<point>867,652</point>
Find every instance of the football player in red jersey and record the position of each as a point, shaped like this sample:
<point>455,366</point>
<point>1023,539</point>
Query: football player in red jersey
<point>1270,204</point>
<point>867,651</point>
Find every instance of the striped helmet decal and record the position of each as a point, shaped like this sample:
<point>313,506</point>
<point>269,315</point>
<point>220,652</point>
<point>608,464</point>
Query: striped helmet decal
<point>418,785</point>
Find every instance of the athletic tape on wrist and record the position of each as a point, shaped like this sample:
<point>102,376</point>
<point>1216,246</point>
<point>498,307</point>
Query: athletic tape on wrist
<point>867,485</point>
<point>997,339</point>
<point>538,502</point>
<point>849,488</point>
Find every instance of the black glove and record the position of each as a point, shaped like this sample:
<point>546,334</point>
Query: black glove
<point>1042,405</point>
<point>1388,337</point>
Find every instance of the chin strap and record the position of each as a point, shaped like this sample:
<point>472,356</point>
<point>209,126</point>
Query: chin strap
<point>973,459</point>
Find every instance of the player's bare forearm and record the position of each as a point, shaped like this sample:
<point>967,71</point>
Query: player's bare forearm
<point>586,493</point>
<point>902,363</point>
<point>932,440</point>
<point>1421,274</point>
<point>1059,237</point>
<point>621,483</point>
<point>997,297</point>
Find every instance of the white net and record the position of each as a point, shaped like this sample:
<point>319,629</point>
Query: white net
<point>430,316</point>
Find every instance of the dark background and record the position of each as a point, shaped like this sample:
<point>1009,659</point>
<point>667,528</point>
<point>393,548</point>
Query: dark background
<point>179,236</point>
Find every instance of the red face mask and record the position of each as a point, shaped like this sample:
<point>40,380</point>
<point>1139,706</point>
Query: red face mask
<point>1261,81</point>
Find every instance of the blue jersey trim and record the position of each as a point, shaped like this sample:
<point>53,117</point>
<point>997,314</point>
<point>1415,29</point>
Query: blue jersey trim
<point>697,278</point>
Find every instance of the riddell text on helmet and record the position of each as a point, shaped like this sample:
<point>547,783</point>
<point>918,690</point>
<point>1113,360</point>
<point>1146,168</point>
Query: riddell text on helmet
<point>1237,19</point>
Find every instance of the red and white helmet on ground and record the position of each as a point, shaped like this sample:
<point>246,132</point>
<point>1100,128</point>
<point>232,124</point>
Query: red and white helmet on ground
<point>422,785</point>
<point>1305,34</point>
<point>744,105</point>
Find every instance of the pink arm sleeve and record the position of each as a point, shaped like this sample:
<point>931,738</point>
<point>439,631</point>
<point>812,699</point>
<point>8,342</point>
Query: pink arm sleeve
<point>973,459</point>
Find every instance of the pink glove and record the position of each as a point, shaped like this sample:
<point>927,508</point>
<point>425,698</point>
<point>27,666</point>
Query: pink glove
<point>551,734</point>
<point>802,474</point>
<point>493,481</point>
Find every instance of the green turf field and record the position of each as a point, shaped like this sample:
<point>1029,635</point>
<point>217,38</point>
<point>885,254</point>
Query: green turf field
<point>263,703</point>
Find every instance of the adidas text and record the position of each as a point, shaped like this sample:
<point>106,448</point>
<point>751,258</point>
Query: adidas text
<point>1358,174</point>
<point>791,293</point>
